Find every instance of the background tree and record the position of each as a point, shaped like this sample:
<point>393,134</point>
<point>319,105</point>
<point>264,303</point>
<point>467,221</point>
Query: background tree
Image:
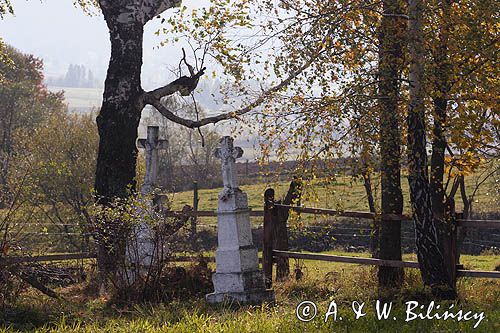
<point>62,158</point>
<point>24,103</point>
<point>460,54</point>
<point>429,252</point>
<point>391,62</point>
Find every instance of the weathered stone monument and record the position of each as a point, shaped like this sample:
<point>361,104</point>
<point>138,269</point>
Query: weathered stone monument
<point>151,144</point>
<point>141,247</point>
<point>237,277</point>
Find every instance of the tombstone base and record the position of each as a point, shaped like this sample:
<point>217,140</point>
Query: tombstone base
<point>245,288</point>
<point>247,297</point>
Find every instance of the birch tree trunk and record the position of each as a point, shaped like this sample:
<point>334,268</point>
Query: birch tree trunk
<point>119,116</point>
<point>429,251</point>
<point>442,213</point>
<point>117,124</point>
<point>391,38</point>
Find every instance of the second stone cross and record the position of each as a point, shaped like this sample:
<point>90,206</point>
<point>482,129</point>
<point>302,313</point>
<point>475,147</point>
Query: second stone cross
<point>237,276</point>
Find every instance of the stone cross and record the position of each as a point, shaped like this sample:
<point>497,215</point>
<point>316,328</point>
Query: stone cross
<point>141,248</point>
<point>151,144</point>
<point>228,154</point>
<point>237,277</point>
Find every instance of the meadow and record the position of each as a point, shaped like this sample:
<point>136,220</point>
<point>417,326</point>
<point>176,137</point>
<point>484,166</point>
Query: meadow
<point>344,193</point>
<point>81,310</point>
<point>322,284</point>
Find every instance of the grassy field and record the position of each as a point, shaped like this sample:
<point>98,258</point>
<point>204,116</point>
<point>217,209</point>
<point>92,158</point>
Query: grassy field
<point>80,311</point>
<point>81,98</point>
<point>342,194</point>
<point>322,284</point>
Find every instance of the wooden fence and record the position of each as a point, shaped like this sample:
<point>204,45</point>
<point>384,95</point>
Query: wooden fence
<point>275,249</point>
<point>275,239</point>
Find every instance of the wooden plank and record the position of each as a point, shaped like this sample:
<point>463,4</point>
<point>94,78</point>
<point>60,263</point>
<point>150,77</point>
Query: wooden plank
<point>478,274</point>
<point>331,212</point>
<point>267,237</point>
<point>192,258</point>
<point>485,224</point>
<point>207,213</point>
<point>344,259</point>
<point>49,257</point>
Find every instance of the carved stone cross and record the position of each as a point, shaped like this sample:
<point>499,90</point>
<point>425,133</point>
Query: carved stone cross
<point>151,144</point>
<point>228,154</point>
<point>237,276</point>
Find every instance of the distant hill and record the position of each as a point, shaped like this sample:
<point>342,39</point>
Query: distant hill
<point>81,99</point>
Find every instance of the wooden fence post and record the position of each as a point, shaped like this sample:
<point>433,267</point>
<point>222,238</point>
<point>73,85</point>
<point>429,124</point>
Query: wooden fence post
<point>280,234</point>
<point>267,247</point>
<point>450,245</point>
<point>280,242</point>
<point>195,210</point>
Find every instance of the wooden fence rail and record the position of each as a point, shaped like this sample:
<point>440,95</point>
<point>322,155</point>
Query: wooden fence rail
<point>48,257</point>
<point>79,256</point>
<point>377,262</point>
<point>489,224</point>
<point>275,239</point>
<point>273,210</point>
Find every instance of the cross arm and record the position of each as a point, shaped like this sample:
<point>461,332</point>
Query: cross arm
<point>161,144</point>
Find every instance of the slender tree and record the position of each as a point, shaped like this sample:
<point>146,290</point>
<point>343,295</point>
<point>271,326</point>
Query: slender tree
<point>391,63</point>
<point>429,251</point>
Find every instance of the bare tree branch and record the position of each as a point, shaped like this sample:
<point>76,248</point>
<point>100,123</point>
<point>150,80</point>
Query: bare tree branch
<point>153,98</point>
<point>185,85</point>
<point>153,8</point>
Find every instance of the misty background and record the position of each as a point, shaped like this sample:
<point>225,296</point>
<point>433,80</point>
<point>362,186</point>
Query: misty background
<point>65,37</point>
<point>75,49</point>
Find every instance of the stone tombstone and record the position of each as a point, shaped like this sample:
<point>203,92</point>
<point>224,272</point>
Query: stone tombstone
<point>142,247</point>
<point>237,277</point>
<point>151,144</point>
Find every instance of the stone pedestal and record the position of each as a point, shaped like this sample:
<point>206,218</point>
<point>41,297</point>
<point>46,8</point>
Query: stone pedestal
<point>237,278</point>
<point>140,249</point>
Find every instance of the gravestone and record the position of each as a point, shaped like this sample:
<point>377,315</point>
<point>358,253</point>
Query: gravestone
<point>142,246</point>
<point>151,144</point>
<point>237,277</point>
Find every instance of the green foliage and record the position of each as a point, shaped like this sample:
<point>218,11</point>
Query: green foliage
<point>47,161</point>
<point>58,159</point>
<point>5,8</point>
<point>24,104</point>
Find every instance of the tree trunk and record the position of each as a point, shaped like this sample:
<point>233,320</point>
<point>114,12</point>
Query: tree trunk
<point>466,214</point>
<point>429,251</point>
<point>117,124</point>
<point>442,215</point>
<point>391,38</point>
<point>367,182</point>
<point>371,203</point>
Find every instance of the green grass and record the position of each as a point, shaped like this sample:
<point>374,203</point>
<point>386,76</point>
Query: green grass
<point>343,194</point>
<point>82,98</point>
<point>323,282</point>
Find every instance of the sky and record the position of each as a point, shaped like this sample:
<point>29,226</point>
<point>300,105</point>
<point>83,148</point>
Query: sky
<point>61,34</point>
